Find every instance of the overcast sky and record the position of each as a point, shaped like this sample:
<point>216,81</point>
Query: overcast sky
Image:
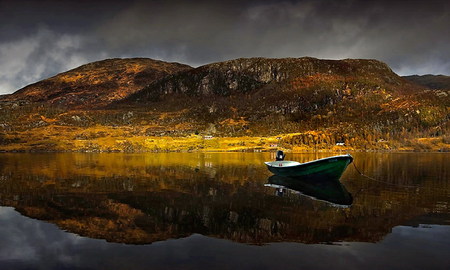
<point>39,39</point>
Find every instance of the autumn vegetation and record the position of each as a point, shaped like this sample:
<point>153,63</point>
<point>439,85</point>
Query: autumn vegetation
<point>257,104</point>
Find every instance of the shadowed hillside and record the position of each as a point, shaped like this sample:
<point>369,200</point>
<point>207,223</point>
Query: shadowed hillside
<point>431,81</point>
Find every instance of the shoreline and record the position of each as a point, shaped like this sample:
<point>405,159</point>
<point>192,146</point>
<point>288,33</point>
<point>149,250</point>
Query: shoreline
<point>2,151</point>
<point>99,140</point>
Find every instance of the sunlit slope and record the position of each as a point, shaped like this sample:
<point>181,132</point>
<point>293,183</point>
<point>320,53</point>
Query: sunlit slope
<point>97,84</point>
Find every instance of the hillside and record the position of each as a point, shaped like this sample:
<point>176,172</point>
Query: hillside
<point>431,81</point>
<point>244,104</point>
<point>269,96</point>
<point>96,84</point>
<point>249,75</point>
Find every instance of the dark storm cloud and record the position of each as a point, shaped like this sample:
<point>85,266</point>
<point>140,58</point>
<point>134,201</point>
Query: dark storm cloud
<point>42,38</point>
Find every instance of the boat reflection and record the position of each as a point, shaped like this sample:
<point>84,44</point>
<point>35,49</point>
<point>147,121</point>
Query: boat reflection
<point>323,189</point>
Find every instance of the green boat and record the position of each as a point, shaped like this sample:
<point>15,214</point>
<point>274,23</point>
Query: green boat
<point>330,168</point>
<point>324,190</point>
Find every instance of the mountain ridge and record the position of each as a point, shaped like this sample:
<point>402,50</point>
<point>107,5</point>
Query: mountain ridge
<point>308,102</point>
<point>441,82</point>
<point>246,74</point>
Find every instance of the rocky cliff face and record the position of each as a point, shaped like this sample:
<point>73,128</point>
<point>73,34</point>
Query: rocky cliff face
<point>288,94</point>
<point>97,84</point>
<point>246,75</point>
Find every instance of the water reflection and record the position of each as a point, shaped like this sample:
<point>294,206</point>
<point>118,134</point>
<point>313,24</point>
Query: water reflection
<point>324,189</point>
<point>31,244</point>
<point>140,198</point>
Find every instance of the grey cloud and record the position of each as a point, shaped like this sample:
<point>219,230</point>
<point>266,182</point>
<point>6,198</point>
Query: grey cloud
<point>410,36</point>
<point>404,33</point>
<point>34,57</point>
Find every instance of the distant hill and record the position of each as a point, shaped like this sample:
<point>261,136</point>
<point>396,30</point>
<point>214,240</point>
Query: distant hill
<point>97,84</point>
<point>431,81</point>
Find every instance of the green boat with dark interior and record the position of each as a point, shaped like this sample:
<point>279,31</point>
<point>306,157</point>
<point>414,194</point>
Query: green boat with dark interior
<point>330,168</point>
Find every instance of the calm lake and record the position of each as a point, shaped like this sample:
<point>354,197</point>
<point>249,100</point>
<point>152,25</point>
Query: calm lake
<point>220,211</point>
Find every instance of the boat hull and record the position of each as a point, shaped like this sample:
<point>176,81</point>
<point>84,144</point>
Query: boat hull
<point>330,168</point>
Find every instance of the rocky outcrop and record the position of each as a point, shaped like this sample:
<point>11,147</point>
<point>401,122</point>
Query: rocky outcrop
<point>248,74</point>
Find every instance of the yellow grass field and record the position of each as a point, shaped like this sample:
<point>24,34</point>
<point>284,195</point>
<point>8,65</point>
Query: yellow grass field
<point>54,138</point>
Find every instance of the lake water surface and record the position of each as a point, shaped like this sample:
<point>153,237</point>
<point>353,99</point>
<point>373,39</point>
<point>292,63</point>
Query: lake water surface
<point>219,211</point>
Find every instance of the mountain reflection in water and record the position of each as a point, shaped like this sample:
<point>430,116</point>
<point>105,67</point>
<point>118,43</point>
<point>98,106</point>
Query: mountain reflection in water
<point>142,198</point>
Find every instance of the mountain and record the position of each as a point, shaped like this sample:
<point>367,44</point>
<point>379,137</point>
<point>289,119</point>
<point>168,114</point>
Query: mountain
<point>303,103</point>
<point>97,84</point>
<point>250,75</point>
<point>431,81</point>
<point>268,96</point>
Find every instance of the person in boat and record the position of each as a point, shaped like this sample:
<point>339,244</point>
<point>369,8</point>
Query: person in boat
<point>280,156</point>
<point>279,192</point>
